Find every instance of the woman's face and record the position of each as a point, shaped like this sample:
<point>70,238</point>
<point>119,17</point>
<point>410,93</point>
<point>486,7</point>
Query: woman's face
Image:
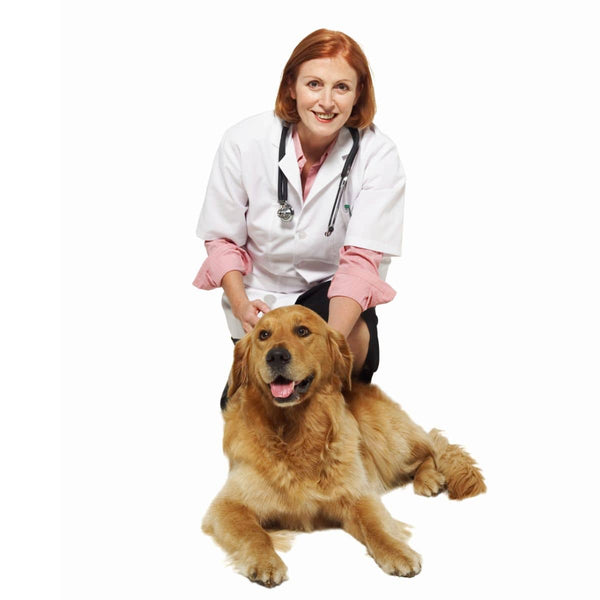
<point>325,92</point>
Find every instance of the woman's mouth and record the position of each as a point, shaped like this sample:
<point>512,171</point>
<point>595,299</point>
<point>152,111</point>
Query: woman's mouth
<point>324,117</point>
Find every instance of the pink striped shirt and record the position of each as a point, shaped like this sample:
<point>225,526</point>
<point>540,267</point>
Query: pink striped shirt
<point>357,276</point>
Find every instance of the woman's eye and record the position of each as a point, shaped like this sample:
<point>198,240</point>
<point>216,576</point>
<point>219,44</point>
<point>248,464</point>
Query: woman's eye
<point>264,334</point>
<point>313,84</point>
<point>343,86</point>
<point>302,331</point>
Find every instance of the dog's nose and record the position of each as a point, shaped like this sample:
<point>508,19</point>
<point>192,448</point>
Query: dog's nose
<point>278,356</point>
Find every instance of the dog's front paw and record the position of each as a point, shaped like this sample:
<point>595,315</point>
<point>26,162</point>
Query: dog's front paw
<point>269,571</point>
<point>402,562</point>
<point>429,482</point>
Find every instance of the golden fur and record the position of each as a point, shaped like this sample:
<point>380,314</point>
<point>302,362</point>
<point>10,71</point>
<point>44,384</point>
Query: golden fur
<point>322,456</point>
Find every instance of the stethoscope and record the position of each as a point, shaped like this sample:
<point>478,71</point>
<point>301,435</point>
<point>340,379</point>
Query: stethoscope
<point>285,212</point>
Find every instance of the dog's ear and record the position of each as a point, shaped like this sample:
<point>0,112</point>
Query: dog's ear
<point>341,358</point>
<point>239,371</point>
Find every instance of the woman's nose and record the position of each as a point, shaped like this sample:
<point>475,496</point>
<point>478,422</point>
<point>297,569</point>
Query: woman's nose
<point>326,100</point>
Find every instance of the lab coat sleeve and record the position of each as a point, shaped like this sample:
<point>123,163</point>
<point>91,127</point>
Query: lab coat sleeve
<point>378,210</point>
<point>225,205</point>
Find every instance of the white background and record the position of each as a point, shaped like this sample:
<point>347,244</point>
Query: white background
<point>493,336</point>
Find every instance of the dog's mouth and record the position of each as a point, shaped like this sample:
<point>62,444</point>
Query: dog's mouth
<point>285,390</point>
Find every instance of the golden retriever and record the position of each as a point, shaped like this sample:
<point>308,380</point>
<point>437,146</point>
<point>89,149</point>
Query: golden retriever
<point>309,448</point>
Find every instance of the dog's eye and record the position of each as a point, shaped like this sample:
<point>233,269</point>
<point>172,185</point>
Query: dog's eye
<point>302,331</point>
<point>264,334</point>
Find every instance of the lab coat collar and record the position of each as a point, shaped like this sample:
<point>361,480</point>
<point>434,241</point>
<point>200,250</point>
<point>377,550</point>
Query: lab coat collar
<point>289,166</point>
<point>330,169</point>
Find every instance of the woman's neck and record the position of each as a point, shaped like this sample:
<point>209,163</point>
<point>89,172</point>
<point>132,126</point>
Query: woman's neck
<point>313,146</point>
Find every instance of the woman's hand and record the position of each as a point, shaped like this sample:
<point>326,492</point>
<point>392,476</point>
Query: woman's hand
<point>247,312</point>
<point>244,310</point>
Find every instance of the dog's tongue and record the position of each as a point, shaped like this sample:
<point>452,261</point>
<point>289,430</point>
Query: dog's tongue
<point>282,390</point>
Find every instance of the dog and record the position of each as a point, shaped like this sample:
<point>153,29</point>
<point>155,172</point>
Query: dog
<point>310,448</point>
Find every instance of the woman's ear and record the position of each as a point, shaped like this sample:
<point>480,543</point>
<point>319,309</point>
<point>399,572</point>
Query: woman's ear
<point>239,370</point>
<point>341,358</point>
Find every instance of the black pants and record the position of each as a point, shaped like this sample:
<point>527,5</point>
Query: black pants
<point>316,299</point>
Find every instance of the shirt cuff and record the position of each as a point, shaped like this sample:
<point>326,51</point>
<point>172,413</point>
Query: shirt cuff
<point>223,256</point>
<point>358,278</point>
<point>367,289</point>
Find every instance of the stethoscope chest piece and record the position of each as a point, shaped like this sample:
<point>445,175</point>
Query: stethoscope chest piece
<point>285,212</point>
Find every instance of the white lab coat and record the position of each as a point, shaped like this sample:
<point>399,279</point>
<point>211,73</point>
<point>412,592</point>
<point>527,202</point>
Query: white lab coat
<point>289,258</point>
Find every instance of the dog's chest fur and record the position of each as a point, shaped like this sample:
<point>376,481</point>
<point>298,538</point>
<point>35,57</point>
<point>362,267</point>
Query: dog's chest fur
<point>304,463</point>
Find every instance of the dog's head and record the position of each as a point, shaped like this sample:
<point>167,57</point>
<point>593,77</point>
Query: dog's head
<point>289,355</point>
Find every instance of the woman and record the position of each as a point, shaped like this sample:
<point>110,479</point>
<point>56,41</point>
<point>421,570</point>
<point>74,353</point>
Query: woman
<point>274,233</point>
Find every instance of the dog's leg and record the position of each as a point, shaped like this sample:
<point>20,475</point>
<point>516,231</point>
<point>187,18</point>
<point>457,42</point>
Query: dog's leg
<point>370,523</point>
<point>428,480</point>
<point>463,476</point>
<point>237,530</point>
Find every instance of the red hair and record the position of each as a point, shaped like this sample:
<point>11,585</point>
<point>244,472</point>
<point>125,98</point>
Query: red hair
<point>325,43</point>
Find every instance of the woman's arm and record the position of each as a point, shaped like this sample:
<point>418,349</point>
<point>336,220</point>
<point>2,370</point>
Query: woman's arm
<point>246,311</point>
<point>355,287</point>
<point>343,314</point>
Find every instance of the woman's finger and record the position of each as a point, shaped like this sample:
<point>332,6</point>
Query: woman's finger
<point>253,320</point>
<point>262,306</point>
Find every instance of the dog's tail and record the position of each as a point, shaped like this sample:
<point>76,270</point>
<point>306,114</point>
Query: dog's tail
<point>463,477</point>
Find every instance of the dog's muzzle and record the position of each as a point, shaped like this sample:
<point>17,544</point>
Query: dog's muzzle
<point>283,388</point>
<point>285,391</point>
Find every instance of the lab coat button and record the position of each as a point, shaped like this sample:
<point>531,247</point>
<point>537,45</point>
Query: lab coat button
<point>269,299</point>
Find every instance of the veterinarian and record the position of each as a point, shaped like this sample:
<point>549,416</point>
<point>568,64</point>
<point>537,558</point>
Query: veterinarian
<point>280,223</point>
